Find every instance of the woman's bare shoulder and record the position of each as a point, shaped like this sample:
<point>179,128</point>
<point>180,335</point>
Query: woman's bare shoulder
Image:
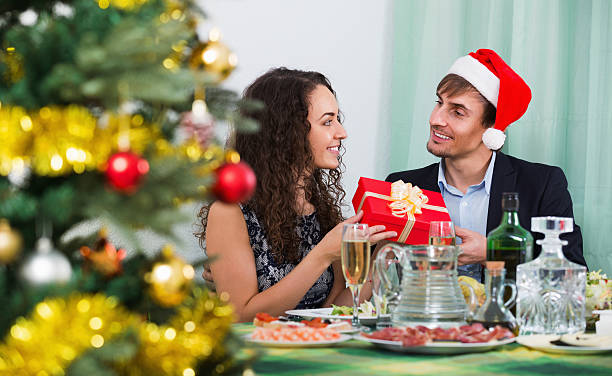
<point>226,229</point>
<point>223,211</point>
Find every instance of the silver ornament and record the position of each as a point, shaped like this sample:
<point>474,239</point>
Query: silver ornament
<point>45,266</point>
<point>28,18</point>
<point>20,177</point>
<point>63,10</point>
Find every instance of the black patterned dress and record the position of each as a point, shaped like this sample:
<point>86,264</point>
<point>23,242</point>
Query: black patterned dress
<point>269,272</point>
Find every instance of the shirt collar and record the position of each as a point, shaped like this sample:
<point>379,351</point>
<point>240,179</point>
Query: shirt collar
<point>488,178</point>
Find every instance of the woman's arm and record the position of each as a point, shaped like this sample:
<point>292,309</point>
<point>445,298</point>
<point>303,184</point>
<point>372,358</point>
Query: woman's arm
<point>234,270</point>
<point>338,287</point>
<point>345,297</point>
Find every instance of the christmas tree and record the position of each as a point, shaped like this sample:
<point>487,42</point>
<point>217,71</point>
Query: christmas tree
<point>107,110</point>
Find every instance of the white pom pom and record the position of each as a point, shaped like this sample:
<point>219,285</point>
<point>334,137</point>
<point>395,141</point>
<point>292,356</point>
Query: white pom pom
<point>493,138</point>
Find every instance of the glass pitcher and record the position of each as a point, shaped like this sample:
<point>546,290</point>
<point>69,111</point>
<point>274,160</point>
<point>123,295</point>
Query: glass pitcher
<point>429,292</point>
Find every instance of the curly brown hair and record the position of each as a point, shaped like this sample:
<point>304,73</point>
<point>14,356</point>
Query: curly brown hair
<point>279,153</point>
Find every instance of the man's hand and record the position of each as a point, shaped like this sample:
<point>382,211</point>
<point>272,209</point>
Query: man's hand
<point>473,245</point>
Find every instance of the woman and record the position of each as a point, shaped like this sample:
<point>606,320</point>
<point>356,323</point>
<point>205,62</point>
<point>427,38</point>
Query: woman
<point>271,252</point>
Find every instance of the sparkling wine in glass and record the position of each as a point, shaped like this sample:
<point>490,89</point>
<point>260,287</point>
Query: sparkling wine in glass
<point>355,261</point>
<point>441,233</point>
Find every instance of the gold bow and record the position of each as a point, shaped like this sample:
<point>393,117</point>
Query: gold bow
<point>407,199</point>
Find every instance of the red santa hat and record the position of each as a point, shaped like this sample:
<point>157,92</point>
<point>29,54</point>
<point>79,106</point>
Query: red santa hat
<point>500,85</point>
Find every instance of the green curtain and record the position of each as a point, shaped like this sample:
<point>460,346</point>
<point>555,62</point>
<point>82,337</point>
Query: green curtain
<point>563,50</point>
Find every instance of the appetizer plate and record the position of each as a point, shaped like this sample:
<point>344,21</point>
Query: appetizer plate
<point>325,313</point>
<point>349,331</point>
<point>436,348</point>
<point>541,342</point>
<point>343,337</point>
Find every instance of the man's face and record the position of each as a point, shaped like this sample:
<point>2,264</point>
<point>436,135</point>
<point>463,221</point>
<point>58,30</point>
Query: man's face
<point>456,126</point>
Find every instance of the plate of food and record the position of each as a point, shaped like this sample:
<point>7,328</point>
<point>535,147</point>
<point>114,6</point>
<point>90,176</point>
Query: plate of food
<point>367,314</point>
<point>303,336</point>
<point>265,320</point>
<point>570,344</point>
<point>438,341</point>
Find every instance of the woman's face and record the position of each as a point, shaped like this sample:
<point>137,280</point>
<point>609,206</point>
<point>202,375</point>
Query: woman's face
<point>326,132</point>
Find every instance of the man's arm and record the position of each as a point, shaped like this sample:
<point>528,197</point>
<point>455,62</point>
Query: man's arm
<point>557,202</point>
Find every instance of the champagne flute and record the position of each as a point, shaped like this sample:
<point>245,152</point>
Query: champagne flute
<point>441,233</point>
<point>355,261</point>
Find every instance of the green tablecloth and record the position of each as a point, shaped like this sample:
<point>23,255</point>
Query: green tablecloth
<point>355,358</point>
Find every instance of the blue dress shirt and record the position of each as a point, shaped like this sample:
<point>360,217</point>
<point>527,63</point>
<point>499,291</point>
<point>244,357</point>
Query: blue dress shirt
<point>469,210</point>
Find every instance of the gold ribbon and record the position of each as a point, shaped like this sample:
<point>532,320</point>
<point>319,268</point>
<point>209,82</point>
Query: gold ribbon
<point>406,200</point>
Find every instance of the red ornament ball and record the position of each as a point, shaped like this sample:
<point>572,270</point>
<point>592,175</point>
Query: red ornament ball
<point>235,182</point>
<point>125,171</point>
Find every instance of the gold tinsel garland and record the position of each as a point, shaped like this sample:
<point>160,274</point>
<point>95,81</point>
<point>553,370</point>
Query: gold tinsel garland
<point>194,334</point>
<point>56,141</point>
<point>65,328</point>
<point>59,330</point>
<point>121,4</point>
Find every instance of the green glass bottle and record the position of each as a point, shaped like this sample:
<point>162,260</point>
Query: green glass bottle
<point>510,242</point>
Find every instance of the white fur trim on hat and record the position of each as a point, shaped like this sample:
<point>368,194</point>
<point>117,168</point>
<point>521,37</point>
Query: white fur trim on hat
<point>493,138</point>
<point>478,75</point>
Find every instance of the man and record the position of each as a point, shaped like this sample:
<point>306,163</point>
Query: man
<point>478,98</point>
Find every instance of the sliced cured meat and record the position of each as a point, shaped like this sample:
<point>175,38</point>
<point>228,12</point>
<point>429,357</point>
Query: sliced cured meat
<point>472,329</point>
<point>421,335</point>
<point>501,332</point>
<point>386,334</point>
<point>450,334</point>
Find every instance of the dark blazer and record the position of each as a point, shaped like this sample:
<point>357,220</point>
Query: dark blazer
<point>542,191</point>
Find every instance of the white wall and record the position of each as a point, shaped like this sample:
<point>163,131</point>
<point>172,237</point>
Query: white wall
<point>347,40</point>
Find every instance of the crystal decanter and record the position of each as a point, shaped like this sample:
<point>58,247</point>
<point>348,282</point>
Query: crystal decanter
<point>551,289</point>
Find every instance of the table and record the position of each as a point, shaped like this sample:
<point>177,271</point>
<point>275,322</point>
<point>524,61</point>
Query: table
<point>357,358</point>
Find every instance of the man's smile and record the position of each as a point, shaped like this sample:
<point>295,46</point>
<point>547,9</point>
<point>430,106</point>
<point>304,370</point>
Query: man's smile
<point>441,136</point>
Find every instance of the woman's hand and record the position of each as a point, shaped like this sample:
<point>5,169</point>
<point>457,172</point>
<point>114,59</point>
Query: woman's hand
<point>331,243</point>
<point>377,234</point>
<point>329,246</point>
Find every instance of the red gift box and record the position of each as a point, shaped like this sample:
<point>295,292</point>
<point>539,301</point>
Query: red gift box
<point>374,196</point>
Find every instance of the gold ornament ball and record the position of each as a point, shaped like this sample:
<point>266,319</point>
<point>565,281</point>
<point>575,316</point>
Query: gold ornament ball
<point>232,156</point>
<point>170,279</point>
<point>214,57</point>
<point>10,243</point>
